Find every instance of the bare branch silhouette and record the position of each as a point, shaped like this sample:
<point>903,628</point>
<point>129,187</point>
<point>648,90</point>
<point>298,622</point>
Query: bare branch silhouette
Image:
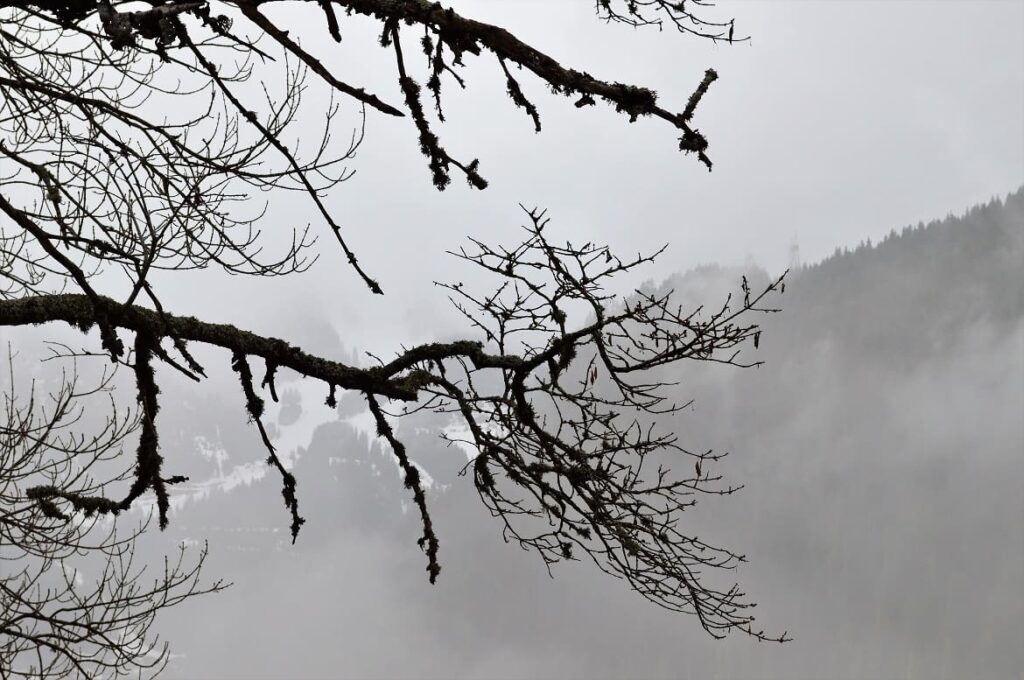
<point>75,602</point>
<point>136,138</point>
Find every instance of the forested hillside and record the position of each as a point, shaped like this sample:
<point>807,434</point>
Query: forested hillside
<point>881,448</point>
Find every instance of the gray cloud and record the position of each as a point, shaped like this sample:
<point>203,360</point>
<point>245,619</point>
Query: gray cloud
<point>882,464</point>
<point>882,510</point>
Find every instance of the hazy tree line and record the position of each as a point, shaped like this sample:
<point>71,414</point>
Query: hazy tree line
<point>881,463</point>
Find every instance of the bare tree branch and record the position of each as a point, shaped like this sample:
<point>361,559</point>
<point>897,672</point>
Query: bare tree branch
<point>135,140</point>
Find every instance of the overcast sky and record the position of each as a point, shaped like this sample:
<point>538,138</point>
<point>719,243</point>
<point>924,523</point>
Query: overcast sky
<point>838,121</point>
